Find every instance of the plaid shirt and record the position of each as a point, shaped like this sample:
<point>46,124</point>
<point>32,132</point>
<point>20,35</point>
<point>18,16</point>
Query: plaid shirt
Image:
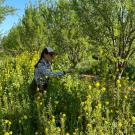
<point>43,72</point>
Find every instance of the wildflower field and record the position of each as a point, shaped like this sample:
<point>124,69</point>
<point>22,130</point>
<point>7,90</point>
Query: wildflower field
<point>70,105</point>
<point>96,38</point>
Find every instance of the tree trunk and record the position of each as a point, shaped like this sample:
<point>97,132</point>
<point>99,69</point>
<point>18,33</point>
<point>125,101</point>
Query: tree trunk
<point>119,69</point>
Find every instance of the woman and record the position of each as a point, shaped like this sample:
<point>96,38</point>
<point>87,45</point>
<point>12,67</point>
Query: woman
<point>43,72</point>
<point>43,69</point>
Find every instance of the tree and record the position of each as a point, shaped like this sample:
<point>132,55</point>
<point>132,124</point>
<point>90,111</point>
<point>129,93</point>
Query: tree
<point>29,34</point>
<point>12,42</point>
<point>110,25</point>
<point>34,29</point>
<point>5,10</point>
<point>66,32</point>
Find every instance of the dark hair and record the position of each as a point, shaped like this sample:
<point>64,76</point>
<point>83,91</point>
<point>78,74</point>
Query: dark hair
<point>45,51</point>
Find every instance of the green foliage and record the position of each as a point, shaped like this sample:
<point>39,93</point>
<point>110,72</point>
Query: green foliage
<point>73,104</point>
<point>110,26</point>
<point>70,104</point>
<point>13,43</point>
<point>34,29</point>
<point>73,40</point>
<point>106,28</point>
<point>43,25</point>
<point>5,10</point>
<point>29,34</point>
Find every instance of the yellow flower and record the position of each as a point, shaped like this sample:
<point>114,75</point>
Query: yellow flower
<point>99,106</point>
<point>62,120</point>
<point>103,89</point>
<point>118,81</point>
<point>67,134</point>
<point>101,132</point>
<point>6,121</point>
<point>46,130</point>
<point>106,122</point>
<point>119,85</point>
<point>82,103</point>
<point>53,120</point>
<point>10,132</point>
<point>133,120</point>
<point>90,87</point>
<point>41,103</point>
<point>58,129</point>
<point>89,96</point>
<point>88,125</point>
<point>6,133</point>
<point>119,124</point>
<point>9,122</point>
<point>107,103</point>
<point>64,115</point>
<point>9,94</point>
<point>86,108</point>
<point>111,111</point>
<point>126,97</point>
<point>97,84</point>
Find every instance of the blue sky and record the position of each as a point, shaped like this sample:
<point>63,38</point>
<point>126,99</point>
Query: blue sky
<point>11,20</point>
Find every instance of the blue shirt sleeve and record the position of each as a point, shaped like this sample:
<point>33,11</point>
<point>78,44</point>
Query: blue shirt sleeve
<point>48,73</point>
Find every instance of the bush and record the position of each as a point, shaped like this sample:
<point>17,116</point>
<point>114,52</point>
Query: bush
<point>69,106</point>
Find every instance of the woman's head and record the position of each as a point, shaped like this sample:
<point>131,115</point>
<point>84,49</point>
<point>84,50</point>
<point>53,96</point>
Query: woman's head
<point>47,54</point>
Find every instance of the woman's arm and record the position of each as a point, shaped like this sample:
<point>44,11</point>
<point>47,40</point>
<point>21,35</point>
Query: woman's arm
<point>47,73</point>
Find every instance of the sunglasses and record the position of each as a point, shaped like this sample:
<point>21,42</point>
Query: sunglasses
<point>52,54</point>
